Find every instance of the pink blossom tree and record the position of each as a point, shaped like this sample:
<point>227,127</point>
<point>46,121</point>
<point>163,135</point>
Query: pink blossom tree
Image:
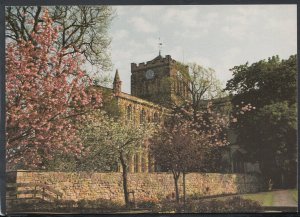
<point>183,145</point>
<point>189,140</point>
<point>46,95</point>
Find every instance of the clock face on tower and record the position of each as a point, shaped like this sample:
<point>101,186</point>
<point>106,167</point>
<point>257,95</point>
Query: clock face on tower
<point>149,74</point>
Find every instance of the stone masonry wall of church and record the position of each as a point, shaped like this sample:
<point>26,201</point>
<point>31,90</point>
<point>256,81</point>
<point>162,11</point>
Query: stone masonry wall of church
<point>93,186</point>
<point>132,109</point>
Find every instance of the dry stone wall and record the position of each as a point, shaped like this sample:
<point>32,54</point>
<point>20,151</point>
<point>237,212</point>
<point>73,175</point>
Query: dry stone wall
<point>93,186</point>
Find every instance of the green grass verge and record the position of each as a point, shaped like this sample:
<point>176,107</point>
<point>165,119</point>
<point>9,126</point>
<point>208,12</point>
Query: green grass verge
<point>264,199</point>
<point>294,193</point>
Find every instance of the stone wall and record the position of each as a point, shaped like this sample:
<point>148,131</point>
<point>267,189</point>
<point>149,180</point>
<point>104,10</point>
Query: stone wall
<point>92,186</point>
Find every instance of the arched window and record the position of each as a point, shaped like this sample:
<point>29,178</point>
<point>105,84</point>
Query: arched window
<point>150,87</point>
<point>181,88</point>
<point>178,87</point>
<point>147,88</point>
<point>129,113</point>
<point>142,116</point>
<point>158,85</point>
<point>136,163</point>
<point>155,118</point>
<point>143,88</point>
<point>184,89</point>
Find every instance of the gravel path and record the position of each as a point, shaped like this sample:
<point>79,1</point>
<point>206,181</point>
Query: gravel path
<point>283,198</point>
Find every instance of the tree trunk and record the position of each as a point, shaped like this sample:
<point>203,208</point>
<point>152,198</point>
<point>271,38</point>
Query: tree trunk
<point>124,176</point>
<point>176,177</point>
<point>184,195</point>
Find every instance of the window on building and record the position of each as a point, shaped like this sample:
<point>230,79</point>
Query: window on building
<point>155,118</point>
<point>129,112</point>
<point>136,163</point>
<point>142,116</point>
<point>146,88</point>
<point>178,87</point>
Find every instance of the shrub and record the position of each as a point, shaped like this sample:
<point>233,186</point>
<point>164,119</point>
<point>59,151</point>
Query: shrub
<point>168,206</point>
<point>232,204</point>
<point>81,206</point>
<point>99,205</point>
<point>148,202</point>
<point>195,196</point>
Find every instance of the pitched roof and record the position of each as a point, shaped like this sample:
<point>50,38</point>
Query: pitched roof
<point>117,76</point>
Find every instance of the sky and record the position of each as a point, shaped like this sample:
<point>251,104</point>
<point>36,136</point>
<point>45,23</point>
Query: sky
<point>219,37</point>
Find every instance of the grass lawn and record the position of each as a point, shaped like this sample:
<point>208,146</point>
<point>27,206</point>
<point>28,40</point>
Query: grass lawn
<point>265,198</point>
<point>294,193</point>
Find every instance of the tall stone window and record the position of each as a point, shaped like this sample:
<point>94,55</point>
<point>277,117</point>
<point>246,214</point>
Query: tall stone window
<point>181,88</point>
<point>184,90</point>
<point>155,118</point>
<point>146,88</point>
<point>136,163</point>
<point>133,115</point>
<point>157,85</point>
<point>129,113</point>
<point>143,88</point>
<point>151,87</point>
<point>178,87</point>
<point>142,116</point>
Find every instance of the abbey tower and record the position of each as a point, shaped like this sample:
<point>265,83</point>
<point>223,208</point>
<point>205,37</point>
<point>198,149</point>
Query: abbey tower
<point>160,81</point>
<point>155,86</point>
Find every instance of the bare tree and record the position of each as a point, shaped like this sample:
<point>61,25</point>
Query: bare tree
<point>201,84</point>
<point>83,29</point>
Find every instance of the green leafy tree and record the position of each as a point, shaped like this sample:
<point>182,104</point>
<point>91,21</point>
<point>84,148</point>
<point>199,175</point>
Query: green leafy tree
<point>269,132</point>
<point>111,141</point>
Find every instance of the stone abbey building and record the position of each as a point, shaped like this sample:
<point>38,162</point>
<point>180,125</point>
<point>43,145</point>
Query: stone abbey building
<point>155,86</point>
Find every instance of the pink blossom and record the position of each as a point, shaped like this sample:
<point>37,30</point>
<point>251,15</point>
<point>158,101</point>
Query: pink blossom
<point>38,92</point>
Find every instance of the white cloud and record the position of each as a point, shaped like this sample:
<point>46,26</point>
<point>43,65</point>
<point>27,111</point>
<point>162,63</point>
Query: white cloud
<point>236,31</point>
<point>219,37</point>
<point>203,61</point>
<point>181,16</point>
<point>229,60</point>
<point>152,43</point>
<point>121,10</point>
<point>121,34</point>
<point>239,25</point>
<point>189,17</point>
<point>142,25</point>
<point>123,54</point>
<point>149,9</point>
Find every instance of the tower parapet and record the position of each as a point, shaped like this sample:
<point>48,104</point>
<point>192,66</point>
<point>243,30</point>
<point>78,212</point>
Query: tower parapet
<point>156,62</point>
<point>153,80</point>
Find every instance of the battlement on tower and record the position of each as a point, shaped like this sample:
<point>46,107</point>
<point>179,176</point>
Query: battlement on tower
<point>158,61</point>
